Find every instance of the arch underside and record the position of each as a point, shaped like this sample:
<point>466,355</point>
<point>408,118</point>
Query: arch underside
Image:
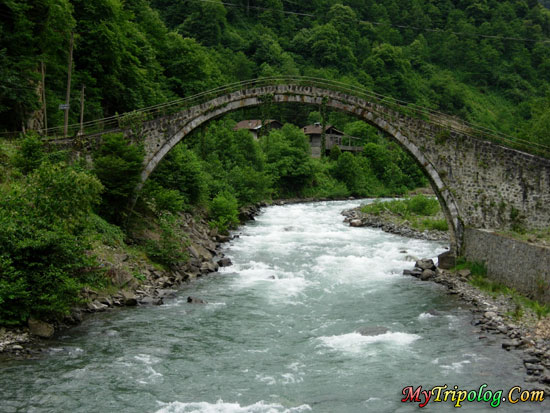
<point>372,113</point>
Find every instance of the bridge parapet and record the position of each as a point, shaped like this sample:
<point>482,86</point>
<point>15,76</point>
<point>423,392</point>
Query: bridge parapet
<point>480,184</point>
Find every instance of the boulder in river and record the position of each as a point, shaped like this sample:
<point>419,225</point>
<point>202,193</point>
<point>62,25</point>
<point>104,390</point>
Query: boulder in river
<point>425,264</point>
<point>195,300</point>
<point>372,330</point>
<point>427,275</point>
<point>356,223</point>
<point>225,262</point>
<point>147,300</point>
<point>40,328</point>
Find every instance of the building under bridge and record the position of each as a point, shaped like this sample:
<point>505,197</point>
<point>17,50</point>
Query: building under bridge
<point>333,137</point>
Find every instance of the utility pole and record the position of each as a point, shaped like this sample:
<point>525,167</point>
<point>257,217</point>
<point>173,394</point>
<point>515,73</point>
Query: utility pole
<point>45,112</point>
<point>68,96</point>
<point>82,110</point>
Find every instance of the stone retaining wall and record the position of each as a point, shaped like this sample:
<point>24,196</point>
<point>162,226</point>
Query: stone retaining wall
<point>516,264</point>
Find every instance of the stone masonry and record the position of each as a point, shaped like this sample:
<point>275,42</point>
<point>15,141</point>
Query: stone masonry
<point>480,184</point>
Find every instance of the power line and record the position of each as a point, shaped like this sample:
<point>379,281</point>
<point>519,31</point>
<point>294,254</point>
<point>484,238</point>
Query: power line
<point>256,8</point>
<point>445,31</point>
<point>400,26</point>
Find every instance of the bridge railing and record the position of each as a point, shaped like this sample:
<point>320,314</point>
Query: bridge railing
<point>452,124</point>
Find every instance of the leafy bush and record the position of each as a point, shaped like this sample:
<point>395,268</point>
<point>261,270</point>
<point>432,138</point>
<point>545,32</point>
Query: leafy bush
<point>31,153</point>
<point>100,230</point>
<point>250,186</point>
<point>288,160</point>
<point>168,250</point>
<point>422,205</point>
<point>182,171</point>
<point>224,213</point>
<point>42,259</point>
<point>419,205</point>
<point>161,199</point>
<point>434,224</point>
<point>335,153</point>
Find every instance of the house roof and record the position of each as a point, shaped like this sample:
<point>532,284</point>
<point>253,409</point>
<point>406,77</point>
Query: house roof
<point>316,129</point>
<point>254,124</point>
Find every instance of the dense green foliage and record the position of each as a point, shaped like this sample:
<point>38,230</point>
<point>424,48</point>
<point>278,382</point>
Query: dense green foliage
<point>232,169</point>
<point>117,164</point>
<point>487,61</point>
<point>42,261</point>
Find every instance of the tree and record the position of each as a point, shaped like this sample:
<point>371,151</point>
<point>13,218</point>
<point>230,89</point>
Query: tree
<point>117,164</point>
<point>42,259</point>
<point>181,170</point>
<point>288,160</point>
<point>205,21</point>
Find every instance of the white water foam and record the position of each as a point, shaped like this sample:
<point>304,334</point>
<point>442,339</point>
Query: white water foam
<point>426,316</point>
<point>272,279</point>
<point>457,366</point>
<point>147,359</point>
<point>221,407</point>
<point>356,343</point>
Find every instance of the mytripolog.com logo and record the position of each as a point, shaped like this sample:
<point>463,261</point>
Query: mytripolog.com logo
<point>442,394</point>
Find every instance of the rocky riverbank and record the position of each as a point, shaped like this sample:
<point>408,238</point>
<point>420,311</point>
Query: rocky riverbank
<point>388,223</point>
<point>494,319</point>
<point>134,281</point>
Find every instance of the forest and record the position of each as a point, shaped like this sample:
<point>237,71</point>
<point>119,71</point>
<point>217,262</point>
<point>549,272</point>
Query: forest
<point>484,61</point>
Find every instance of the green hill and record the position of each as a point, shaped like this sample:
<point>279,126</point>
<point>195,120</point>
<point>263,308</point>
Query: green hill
<point>485,61</point>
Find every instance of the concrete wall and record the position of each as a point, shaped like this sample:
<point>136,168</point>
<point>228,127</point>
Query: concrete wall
<point>514,263</point>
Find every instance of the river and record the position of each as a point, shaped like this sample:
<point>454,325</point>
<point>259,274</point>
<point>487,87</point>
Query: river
<point>278,334</point>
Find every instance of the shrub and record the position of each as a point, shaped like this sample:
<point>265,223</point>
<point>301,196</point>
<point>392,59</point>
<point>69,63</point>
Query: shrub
<point>435,224</point>
<point>30,155</point>
<point>161,199</point>
<point>168,250</point>
<point>181,170</point>
<point>250,186</point>
<point>335,153</point>
<point>224,213</point>
<point>422,205</point>
<point>42,247</point>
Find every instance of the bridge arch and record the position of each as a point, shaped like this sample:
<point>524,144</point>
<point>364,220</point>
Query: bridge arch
<point>162,134</point>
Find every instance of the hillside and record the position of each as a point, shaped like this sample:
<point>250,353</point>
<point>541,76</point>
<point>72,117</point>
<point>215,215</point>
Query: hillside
<point>485,61</point>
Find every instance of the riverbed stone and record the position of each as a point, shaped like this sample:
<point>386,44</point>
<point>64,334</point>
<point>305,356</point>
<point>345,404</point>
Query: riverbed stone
<point>225,262</point>
<point>510,344</point>
<point>427,275</point>
<point>356,223</point>
<point>129,298</point>
<point>465,273</point>
<point>147,300</point>
<point>208,267</point>
<point>96,306</point>
<point>40,328</point>
<point>195,300</point>
<point>425,264</point>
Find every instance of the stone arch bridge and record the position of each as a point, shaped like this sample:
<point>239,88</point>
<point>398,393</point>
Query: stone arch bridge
<point>479,183</point>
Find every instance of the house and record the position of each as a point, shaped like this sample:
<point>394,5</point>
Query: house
<point>255,125</point>
<point>332,137</point>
